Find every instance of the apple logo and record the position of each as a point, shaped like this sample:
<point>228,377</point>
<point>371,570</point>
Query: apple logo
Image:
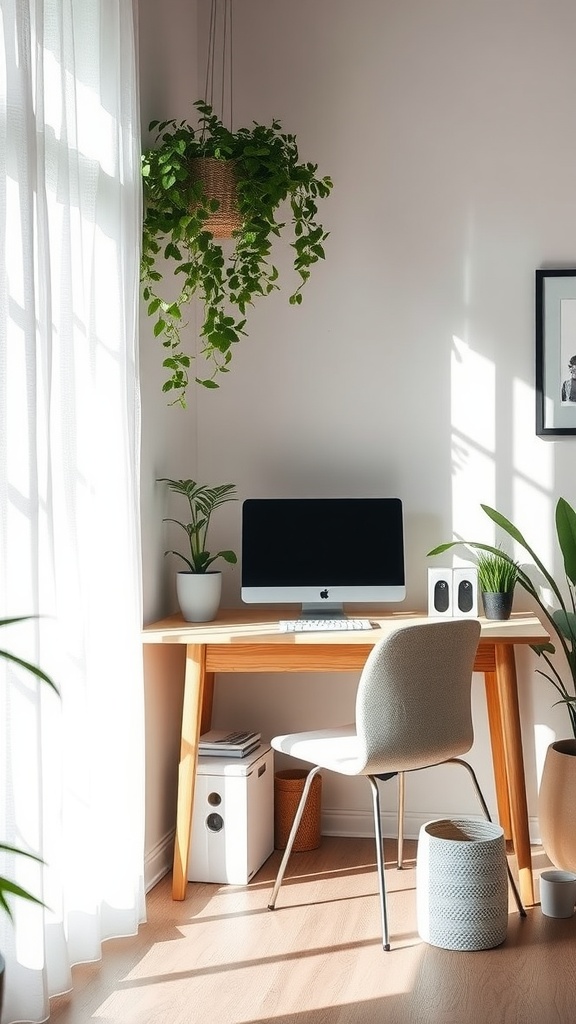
<point>324,595</point>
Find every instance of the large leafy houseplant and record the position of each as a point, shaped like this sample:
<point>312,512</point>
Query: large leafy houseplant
<point>202,502</point>
<point>562,616</point>
<point>225,277</point>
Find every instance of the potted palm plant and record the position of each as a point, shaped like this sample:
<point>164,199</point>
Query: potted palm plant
<point>8,888</point>
<point>199,587</point>
<point>263,166</point>
<point>557,795</point>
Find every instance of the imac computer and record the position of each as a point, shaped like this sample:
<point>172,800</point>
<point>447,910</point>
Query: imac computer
<point>322,553</point>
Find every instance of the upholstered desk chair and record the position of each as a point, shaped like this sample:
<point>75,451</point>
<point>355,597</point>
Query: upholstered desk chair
<point>413,710</point>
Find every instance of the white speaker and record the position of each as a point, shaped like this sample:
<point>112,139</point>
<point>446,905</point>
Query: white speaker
<point>465,592</point>
<point>440,592</point>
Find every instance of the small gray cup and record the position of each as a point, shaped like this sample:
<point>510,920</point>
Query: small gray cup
<point>557,893</point>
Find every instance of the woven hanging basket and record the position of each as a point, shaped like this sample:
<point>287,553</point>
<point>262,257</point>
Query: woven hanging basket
<point>219,180</point>
<point>288,788</point>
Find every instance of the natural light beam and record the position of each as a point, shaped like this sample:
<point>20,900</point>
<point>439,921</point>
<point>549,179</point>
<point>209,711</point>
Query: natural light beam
<point>533,480</point>
<point>543,737</point>
<point>473,395</point>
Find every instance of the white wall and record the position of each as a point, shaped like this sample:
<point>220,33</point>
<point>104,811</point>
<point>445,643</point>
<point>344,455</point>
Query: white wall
<point>448,128</point>
<point>168,86</point>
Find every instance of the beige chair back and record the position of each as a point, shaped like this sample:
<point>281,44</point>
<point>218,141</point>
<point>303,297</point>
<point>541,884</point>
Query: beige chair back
<point>413,704</point>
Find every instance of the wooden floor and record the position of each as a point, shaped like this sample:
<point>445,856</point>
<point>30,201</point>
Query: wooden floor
<point>220,957</point>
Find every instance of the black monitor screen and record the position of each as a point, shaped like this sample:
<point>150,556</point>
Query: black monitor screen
<point>293,545</point>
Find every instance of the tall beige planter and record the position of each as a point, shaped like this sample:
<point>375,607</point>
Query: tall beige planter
<point>556,804</point>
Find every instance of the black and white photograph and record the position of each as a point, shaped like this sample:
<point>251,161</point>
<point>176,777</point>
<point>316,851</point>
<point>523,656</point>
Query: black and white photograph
<point>556,352</point>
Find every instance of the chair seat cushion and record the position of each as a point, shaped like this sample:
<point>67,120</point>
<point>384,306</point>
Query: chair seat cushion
<point>337,749</point>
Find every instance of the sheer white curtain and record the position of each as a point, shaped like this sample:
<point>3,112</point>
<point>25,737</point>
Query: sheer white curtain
<point>71,768</point>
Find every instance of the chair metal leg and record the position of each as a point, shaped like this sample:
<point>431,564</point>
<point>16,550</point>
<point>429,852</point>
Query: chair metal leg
<point>380,861</point>
<point>292,836</point>
<point>400,856</point>
<point>472,773</point>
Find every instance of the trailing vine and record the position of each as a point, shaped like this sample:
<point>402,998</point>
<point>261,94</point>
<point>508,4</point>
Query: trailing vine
<point>175,229</point>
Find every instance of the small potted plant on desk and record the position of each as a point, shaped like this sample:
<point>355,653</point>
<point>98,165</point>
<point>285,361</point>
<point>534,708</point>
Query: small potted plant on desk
<point>497,577</point>
<point>198,587</point>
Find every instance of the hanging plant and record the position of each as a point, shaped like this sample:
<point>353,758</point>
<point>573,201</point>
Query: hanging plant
<point>177,229</point>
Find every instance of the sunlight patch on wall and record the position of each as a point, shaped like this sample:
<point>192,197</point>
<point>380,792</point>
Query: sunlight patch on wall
<point>543,737</point>
<point>533,480</point>
<point>473,394</point>
<point>473,418</point>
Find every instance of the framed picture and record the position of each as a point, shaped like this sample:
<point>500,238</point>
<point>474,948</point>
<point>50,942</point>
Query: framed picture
<point>555,352</point>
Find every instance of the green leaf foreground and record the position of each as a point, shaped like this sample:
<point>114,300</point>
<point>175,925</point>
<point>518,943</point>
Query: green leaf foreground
<point>33,669</point>
<point>7,887</point>
<point>269,175</point>
<point>562,619</point>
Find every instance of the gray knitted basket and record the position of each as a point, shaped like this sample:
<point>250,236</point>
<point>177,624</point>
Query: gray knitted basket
<point>462,884</point>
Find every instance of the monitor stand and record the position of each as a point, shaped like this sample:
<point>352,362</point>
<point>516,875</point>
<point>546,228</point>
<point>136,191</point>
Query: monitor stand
<point>326,610</point>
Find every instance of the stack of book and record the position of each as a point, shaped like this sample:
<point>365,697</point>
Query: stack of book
<point>222,743</point>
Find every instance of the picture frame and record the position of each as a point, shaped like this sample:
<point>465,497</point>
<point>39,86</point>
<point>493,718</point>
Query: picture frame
<point>555,352</point>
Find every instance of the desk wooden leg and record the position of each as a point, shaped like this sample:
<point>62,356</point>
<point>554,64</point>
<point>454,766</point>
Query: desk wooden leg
<point>512,738</point>
<point>191,719</point>
<point>498,759</point>
<point>207,703</point>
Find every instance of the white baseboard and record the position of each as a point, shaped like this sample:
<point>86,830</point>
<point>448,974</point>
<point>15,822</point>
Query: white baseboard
<point>361,823</point>
<point>158,860</point>
<point>355,824</point>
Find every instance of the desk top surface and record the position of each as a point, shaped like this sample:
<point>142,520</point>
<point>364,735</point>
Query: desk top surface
<point>256,625</point>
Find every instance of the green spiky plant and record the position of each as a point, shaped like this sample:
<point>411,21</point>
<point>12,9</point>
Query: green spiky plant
<point>8,888</point>
<point>227,279</point>
<point>496,573</point>
<point>202,502</point>
<point>562,617</point>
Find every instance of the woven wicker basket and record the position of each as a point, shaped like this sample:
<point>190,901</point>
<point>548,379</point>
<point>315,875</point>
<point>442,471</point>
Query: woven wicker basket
<point>461,884</point>
<point>288,786</point>
<point>219,180</point>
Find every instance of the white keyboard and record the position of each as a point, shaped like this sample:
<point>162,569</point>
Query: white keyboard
<point>323,625</point>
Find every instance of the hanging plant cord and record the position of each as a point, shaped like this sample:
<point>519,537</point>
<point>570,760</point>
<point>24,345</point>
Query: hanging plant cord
<point>183,222</point>
<point>226,65</point>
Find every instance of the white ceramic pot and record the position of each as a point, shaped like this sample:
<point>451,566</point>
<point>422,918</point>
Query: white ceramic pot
<point>199,595</point>
<point>556,802</point>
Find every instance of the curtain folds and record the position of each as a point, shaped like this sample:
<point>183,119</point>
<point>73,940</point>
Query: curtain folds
<point>71,767</point>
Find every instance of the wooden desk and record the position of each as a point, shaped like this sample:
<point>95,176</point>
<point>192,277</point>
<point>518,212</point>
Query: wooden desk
<point>247,640</point>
